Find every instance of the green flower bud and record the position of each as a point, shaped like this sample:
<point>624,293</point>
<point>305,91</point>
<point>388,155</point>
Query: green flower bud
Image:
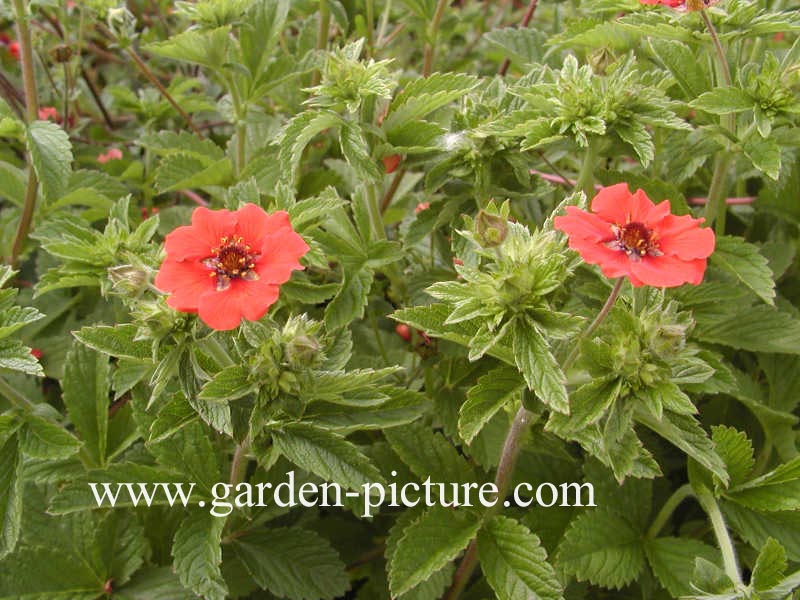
<point>490,229</point>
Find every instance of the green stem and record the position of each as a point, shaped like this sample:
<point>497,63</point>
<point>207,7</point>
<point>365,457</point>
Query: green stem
<point>508,458</point>
<point>710,506</point>
<point>716,208</point>
<point>239,463</point>
<point>612,297</point>
<point>322,35</point>
<point>585,182</point>
<point>433,33</point>
<point>18,399</point>
<point>32,113</point>
<point>678,496</point>
<point>370,18</point>
<point>723,61</point>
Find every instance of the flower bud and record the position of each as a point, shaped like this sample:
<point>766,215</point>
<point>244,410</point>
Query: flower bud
<point>599,60</point>
<point>128,279</point>
<point>61,53</point>
<point>302,351</point>
<point>490,229</point>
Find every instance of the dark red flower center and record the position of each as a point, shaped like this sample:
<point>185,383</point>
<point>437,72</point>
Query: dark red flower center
<point>636,240</point>
<point>232,259</point>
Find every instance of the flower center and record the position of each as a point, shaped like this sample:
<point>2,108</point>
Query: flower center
<point>636,240</point>
<point>231,259</point>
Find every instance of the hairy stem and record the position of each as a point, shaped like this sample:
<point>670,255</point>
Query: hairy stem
<point>585,182</point>
<point>526,19</point>
<point>239,463</point>
<point>716,207</point>
<point>31,113</point>
<point>433,33</point>
<point>678,496</point>
<point>145,70</point>
<point>511,448</point>
<point>322,35</point>
<point>724,541</point>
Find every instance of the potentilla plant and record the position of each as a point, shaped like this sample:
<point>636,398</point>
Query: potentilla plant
<point>419,299</point>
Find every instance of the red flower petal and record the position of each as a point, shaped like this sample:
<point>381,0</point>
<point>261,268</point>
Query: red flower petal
<point>280,255</point>
<point>195,241</point>
<point>223,310</point>
<point>253,224</point>
<point>186,281</point>
<point>681,236</point>
<point>584,225</point>
<point>611,203</point>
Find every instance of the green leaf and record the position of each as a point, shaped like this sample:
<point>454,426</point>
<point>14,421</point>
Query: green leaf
<point>442,533</point>
<point>686,433</point>
<point>40,438</point>
<point>757,527</point>
<point>203,47</point>
<point>756,328</point>
<point>10,494</point>
<point>119,341</point>
<point>152,583</point>
<point>260,31</point>
<point>682,63</point>
<point>777,490</point>
<point>735,448</point>
<point>770,566</point>
<point>673,561</point>
<point>293,563</point>
<point>182,170</point>
<point>587,406</point>
<point>349,302</point>
<point>231,383</point>
<point>85,388</point>
<point>51,154</point>
<point>539,367</point>
<point>177,413</point>
<point>198,554</point>
<point>298,133</point>
<point>429,454</point>
<point>743,261</point>
<point>356,151</point>
<point>17,357</point>
<point>603,548</point>
<point>326,454</point>
<point>515,563</point>
<point>723,101</point>
<point>764,153</point>
<point>484,399</point>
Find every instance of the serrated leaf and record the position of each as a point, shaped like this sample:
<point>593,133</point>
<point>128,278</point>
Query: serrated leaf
<point>51,154</point>
<point>539,367</point>
<point>10,494</point>
<point>198,554</point>
<point>293,563</point>
<point>723,101</point>
<point>758,329</point>
<point>40,438</point>
<point>603,548</point>
<point>735,448</point>
<point>86,385</point>
<point>764,153</point>
<point>206,47</point>
<point>770,566</point>
<point>119,341</point>
<point>231,383</point>
<point>686,433</point>
<point>177,413</point>
<point>775,491</point>
<point>514,562</point>
<point>673,561</point>
<point>682,64</point>
<point>326,454</point>
<point>742,260</point>
<point>443,533</point>
<point>349,302</point>
<point>17,357</point>
<point>179,171</point>
<point>485,398</point>
<point>756,527</point>
<point>298,133</point>
<point>356,151</point>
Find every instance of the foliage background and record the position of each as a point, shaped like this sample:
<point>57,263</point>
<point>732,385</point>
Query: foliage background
<point>683,406</point>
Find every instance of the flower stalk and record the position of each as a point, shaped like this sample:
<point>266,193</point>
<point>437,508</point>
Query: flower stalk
<point>31,114</point>
<point>724,541</point>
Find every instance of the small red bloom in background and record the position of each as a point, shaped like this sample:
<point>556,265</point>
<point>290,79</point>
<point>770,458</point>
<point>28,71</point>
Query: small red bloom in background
<point>626,234</point>
<point>390,163</point>
<point>421,206</point>
<point>49,113</point>
<point>404,331</point>
<point>683,4</point>
<point>36,353</point>
<point>229,265</point>
<point>112,154</point>
<point>13,49</point>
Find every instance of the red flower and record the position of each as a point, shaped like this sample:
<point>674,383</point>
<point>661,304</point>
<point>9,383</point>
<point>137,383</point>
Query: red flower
<point>228,265</point>
<point>421,206</point>
<point>13,48</point>
<point>36,353</point>
<point>626,234</point>
<point>682,4</point>
<point>404,331</point>
<point>47,113</point>
<point>390,163</point>
<point>112,154</point>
